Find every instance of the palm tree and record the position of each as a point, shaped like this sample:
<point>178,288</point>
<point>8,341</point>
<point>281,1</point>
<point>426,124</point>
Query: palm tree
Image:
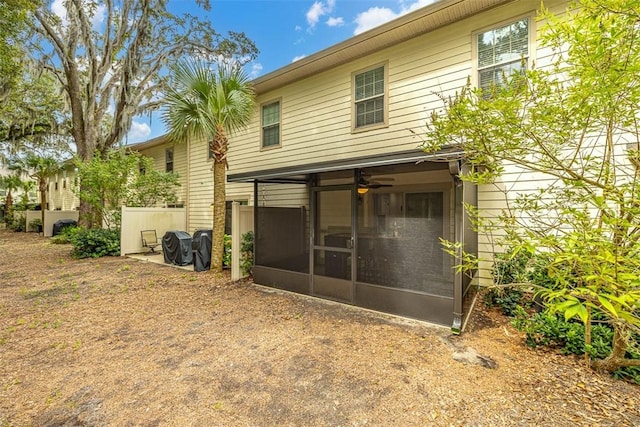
<point>210,104</point>
<point>10,183</point>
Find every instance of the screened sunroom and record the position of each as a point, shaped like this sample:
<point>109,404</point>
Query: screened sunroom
<point>367,232</point>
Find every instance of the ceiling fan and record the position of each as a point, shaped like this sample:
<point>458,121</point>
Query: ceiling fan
<point>365,182</point>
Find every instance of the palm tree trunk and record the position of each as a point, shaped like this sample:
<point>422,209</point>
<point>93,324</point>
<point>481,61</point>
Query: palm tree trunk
<point>42,186</point>
<point>219,198</point>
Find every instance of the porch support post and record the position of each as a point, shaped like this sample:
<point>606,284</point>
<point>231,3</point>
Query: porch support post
<point>454,169</point>
<point>235,241</point>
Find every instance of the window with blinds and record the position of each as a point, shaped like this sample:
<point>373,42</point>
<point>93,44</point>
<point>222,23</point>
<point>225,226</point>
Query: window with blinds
<point>369,97</point>
<point>271,125</point>
<point>501,52</point>
<point>168,158</point>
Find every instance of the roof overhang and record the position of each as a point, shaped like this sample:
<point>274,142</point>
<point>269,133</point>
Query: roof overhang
<point>160,140</point>
<point>301,173</point>
<point>408,26</point>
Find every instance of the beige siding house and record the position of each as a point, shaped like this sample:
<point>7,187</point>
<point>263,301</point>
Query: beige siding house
<point>61,189</point>
<point>346,205</point>
<point>190,160</point>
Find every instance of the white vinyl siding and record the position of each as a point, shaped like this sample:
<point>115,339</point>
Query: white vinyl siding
<point>419,74</point>
<point>369,90</point>
<point>271,125</point>
<point>502,51</point>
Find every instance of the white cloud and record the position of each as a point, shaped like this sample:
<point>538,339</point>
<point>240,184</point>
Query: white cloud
<point>406,8</point>
<point>297,58</point>
<point>139,131</point>
<point>335,22</point>
<point>97,13</point>
<point>379,15</point>
<point>372,18</point>
<point>318,10</point>
<point>256,70</point>
<point>58,9</point>
<point>298,28</point>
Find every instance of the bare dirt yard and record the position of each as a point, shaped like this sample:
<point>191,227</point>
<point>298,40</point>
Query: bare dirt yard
<point>120,342</point>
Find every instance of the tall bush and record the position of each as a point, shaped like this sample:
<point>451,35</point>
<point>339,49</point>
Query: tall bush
<point>575,125</point>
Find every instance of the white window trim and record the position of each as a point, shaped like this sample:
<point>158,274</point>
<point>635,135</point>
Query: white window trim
<point>532,43</point>
<point>279,145</point>
<point>385,113</point>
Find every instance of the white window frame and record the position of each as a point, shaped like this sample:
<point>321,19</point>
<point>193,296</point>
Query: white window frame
<point>384,95</point>
<point>279,124</point>
<point>475,77</point>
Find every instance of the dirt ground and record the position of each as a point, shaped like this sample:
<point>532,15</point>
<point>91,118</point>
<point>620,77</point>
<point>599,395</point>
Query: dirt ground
<point>120,342</point>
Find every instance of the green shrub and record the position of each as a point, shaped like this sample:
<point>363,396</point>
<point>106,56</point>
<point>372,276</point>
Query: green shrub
<point>17,223</point>
<point>66,235</point>
<point>95,243</point>
<point>226,254</point>
<point>246,253</point>
<point>36,224</point>
<point>552,330</point>
<point>508,268</point>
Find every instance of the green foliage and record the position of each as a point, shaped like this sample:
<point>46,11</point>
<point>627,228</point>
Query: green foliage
<point>149,186</point>
<point>226,256</point>
<point>35,224</point>
<point>32,116</point>
<point>95,243</point>
<point>568,336</point>
<point>16,222</point>
<point>209,101</point>
<point>116,179</point>
<point>573,126</point>
<point>508,299</point>
<point>13,22</point>
<point>66,236</point>
<point>246,253</point>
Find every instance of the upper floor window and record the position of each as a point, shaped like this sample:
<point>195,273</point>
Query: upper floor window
<point>369,97</point>
<point>270,124</point>
<point>502,51</point>
<point>168,156</point>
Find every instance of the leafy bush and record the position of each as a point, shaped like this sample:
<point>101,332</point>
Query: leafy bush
<point>552,330</point>
<point>36,224</point>
<point>508,268</point>
<point>66,235</point>
<point>246,253</point>
<point>226,254</point>
<point>17,222</point>
<point>95,243</point>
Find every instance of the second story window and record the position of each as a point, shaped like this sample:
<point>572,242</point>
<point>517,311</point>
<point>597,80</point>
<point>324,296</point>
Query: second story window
<point>168,155</point>
<point>270,124</point>
<point>369,94</point>
<point>501,52</point>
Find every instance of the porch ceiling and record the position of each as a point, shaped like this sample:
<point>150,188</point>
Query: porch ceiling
<point>413,24</point>
<point>301,172</point>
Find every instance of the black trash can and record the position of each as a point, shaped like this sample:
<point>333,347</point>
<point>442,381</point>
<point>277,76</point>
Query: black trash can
<point>202,250</point>
<point>176,247</point>
<point>61,224</point>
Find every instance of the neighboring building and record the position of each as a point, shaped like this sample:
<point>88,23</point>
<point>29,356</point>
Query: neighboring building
<point>192,163</point>
<point>62,187</point>
<point>348,207</point>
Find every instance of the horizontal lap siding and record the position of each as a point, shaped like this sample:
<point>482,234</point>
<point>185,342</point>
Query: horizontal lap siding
<point>495,198</point>
<point>316,112</point>
<point>157,154</point>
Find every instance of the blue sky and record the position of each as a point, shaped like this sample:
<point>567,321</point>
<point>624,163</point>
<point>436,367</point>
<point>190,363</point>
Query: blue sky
<point>285,31</point>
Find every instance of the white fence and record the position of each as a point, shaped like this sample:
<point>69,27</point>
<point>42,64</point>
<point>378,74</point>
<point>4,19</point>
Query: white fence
<point>241,222</point>
<point>50,218</point>
<point>134,220</point>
